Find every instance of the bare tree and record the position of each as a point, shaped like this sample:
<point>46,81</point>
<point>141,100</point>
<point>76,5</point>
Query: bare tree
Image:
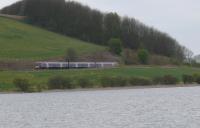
<point>188,55</point>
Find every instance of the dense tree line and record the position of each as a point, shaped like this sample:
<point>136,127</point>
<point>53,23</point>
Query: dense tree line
<point>76,20</point>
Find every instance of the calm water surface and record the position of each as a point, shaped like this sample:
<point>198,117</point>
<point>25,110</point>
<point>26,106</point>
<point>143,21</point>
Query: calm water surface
<point>133,108</point>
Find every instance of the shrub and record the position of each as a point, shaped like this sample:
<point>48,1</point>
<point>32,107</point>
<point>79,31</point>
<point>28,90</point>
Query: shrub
<point>33,89</point>
<point>113,81</point>
<point>158,80</point>
<point>140,81</point>
<point>143,56</point>
<point>115,46</point>
<point>84,82</point>
<point>188,79</point>
<point>59,82</point>
<point>22,84</point>
<point>167,79</point>
<point>196,78</point>
<point>40,87</point>
<point>107,82</point>
<point>120,81</point>
<point>159,60</point>
<point>130,57</point>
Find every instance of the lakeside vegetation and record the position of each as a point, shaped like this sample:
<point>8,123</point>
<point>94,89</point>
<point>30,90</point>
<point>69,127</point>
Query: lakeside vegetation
<point>41,78</point>
<point>97,36</point>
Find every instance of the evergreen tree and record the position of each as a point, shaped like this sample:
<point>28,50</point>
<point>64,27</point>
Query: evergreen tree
<point>115,46</point>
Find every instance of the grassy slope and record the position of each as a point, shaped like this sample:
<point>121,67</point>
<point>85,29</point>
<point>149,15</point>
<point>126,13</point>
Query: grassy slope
<point>25,42</point>
<point>41,77</point>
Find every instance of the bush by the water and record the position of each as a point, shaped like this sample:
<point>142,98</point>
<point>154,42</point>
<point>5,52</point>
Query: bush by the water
<point>188,79</point>
<point>121,81</point>
<point>167,79</point>
<point>113,81</point>
<point>196,78</point>
<point>158,80</point>
<point>59,82</point>
<point>84,82</point>
<point>140,81</point>
<point>37,88</point>
<point>22,84</point>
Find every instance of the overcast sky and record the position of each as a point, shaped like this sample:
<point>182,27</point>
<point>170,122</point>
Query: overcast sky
<point>179,18</point>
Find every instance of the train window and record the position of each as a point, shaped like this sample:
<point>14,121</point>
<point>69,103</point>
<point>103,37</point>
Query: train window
<point>42,65</point>
<point>98,65</point>
<point>92,65</point>
<point>65,65</point>
<point>72,65</point>
<point>54,65</point>
<point>82,65</point>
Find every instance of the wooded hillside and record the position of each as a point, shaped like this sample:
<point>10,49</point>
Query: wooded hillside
<point>79,21</point>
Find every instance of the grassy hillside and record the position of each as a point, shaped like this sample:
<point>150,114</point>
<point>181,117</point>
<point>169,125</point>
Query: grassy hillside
<point>20,41</point>
<point>41,77</point>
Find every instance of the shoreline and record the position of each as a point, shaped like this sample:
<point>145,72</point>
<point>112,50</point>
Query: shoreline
<point>124,88</point>
<point>107,89</point>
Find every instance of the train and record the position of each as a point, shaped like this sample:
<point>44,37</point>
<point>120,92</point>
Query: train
<point>71,65</point>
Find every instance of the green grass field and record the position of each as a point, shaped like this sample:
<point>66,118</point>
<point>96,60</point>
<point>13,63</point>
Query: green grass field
<point>41,77</point>
<point>19,41</point>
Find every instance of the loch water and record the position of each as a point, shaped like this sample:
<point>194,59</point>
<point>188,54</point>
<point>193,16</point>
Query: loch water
<point>121,108</point>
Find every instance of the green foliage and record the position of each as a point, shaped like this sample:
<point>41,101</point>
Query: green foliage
<point>196,78</point>
<point>60,82</point>
<point>121,81</point>
<point>115,46</point>
<point>71,55</point>
<point>191,78</point>
<point>188,79</point>
<point>167,80</point>
<point>113,81</point>
<point>22,84</point>
<point>84,82</point>
<point>111,25</point>
<point>107,81</point>
<point>42,77</point>
<point>140,81</point>
<point>143,56</point>
<point>158,80</point>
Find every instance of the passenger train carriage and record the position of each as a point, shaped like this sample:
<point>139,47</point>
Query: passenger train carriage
<point>67,65</point>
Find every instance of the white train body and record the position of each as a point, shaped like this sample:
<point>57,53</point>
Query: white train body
<point>66,65</point>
